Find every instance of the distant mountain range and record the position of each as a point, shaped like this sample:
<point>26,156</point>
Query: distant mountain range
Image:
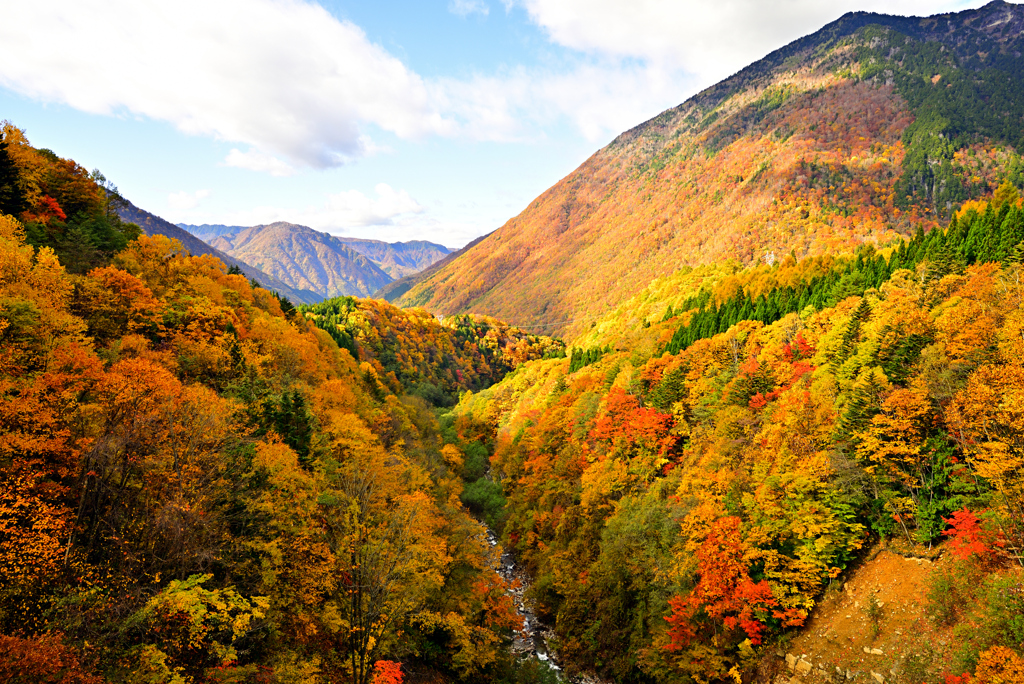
<point>152,224</point>
<point>859,133</point>
<point>305,258</point>
<point>308,259</point>
<point>397,259</point>
<point>395,289</point>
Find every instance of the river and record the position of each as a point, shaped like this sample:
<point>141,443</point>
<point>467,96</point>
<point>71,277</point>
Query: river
<point>533,641</point>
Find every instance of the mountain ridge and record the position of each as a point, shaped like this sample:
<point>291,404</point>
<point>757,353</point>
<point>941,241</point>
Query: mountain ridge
<point>758,165</point>
<point>397,259</point>
<point>305,258</point>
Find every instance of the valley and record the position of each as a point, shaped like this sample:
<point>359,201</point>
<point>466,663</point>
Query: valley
<point>740,399</point>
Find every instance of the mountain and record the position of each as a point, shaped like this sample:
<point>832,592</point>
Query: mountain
<point>860,132</point>
<point>780,472</point>
<point>152,224</point>
<point>208,231</point>
<point>397,259</point>
<point>305,258</point>
<point>393,291</point>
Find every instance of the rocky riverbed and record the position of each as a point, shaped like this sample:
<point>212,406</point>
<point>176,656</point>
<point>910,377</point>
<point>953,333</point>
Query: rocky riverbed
<point>535,639</point>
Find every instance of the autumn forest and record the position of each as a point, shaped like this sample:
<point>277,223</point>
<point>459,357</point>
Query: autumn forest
<point>817,355</point>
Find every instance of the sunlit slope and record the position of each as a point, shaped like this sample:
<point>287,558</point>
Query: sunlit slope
<point>305,258</point>
<point>857,133</point>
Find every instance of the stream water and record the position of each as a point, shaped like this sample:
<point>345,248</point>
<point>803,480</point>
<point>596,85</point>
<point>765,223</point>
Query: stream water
<point>533,641</point>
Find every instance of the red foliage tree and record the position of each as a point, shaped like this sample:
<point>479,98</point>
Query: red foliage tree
<point>724,593</point>
<point>969,539</point>
<point>387,672</point>
<point>626,422</point>
<point>46,660</point>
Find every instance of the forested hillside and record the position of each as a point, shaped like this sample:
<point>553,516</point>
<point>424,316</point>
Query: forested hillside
<point>435,359</point>
<point>712,458</point>
<point>858,133</point>
<point>197,484</point>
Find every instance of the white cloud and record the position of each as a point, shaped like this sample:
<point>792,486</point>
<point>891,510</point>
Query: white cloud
<point>352,208</point>
<point>339,213</point>
<point>254,160</point>
<point>183,201</point>
<point>599,99</point>
<point>298,88</point>
<point>708,38</point>
<point>281,76</point>
<point>464,8</point>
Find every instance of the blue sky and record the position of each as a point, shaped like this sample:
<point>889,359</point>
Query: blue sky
<point>435,120</point>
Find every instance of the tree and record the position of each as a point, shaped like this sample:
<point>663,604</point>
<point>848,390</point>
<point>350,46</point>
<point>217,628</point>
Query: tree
<point>987,419</point>
<point>44,660</point>
<point>725,602</point>
<point>387,558</point>
<point>12,200</point>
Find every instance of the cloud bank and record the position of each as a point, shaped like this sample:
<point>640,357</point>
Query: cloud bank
<point>706,38</point>
<point>281,76</point>
<point>298,88</point>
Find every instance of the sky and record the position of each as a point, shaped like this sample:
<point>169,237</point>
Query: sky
<point>394,120</point>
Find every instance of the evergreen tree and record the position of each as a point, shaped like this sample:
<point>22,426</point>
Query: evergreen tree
<point>12,200</point>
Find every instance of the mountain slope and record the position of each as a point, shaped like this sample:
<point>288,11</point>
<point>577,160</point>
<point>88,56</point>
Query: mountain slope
<point>209,231</point>
<point>152,224</point>
<point>397,259</point>
<point>645,479</point>
<point>305,258</point>
<point>860,132</point>
<point>393,291</point>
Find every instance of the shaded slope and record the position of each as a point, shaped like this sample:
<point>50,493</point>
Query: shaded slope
<point>842,137</point>
<point>152,224</point>
<point>305,258</point>
<point>399,259</point>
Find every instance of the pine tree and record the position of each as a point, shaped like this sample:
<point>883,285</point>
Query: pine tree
<point>12,200</point>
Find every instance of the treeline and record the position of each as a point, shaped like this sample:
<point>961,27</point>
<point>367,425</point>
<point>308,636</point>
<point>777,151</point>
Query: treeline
<point>994,234</point>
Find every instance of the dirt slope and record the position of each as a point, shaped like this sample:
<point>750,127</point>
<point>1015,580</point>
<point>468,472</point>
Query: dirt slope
<point>872,628</point>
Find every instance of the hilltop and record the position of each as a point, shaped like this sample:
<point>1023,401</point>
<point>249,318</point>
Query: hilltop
<point>305,258</point>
